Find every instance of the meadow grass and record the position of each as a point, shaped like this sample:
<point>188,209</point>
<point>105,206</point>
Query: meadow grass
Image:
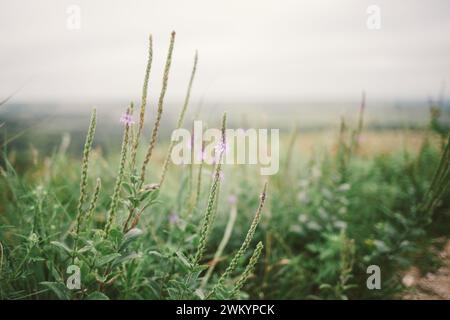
<point>312,232</point>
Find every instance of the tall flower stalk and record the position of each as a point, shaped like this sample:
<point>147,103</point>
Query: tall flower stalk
<point>156,125</point>
<point>357,132</point>
<point>209,214</point>
<point>248,270</point>
<point>180,120</point>
<point>84,168</point>
<point>120,174</point>
<point>143,102</point>
<point>248,238</point>
<point>94,199</point>
<point>223,243</point>
<point>84,177</point>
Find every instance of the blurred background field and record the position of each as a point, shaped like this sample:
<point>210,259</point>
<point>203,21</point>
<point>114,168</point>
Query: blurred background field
<point>42,125</point>
<point>330,213</point>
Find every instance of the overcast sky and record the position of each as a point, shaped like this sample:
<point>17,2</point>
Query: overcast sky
<point>249,50</point>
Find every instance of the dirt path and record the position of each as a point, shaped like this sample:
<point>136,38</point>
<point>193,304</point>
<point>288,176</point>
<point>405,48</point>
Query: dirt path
<point>432,286</point>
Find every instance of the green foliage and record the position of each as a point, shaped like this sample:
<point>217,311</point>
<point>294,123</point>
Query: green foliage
<point>44,252</point>
<point>324,223</point>
<point>320,236</point>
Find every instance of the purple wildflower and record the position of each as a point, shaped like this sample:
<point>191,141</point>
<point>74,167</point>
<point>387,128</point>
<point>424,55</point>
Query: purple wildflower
<point>127,119</point>
<point>232,199</point>
<point>174,218</point>
<point>221,147</point>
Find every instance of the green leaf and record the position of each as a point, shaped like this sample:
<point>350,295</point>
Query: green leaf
<point>156,253</point>
<point>152,198</point>
<point>127,187</point>
<point>97,295</point>
<point>134,178</point>
<point>149,194</point>
<point>104,246</point>
<point>131,256</point>
<point>107,259</point>
<point>61,246</point>
<point>116,235</point>
<point>184,261</point>
<point>58,289</point>
<point>325,286</point>
<point>133,233</point>
<point>86,248</point>
<point>130,236</point>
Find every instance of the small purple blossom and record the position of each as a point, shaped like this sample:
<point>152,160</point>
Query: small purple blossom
<point>221,147</point>
<point>232,199</point>
<point>127,119</point>
<point>174,218</point>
